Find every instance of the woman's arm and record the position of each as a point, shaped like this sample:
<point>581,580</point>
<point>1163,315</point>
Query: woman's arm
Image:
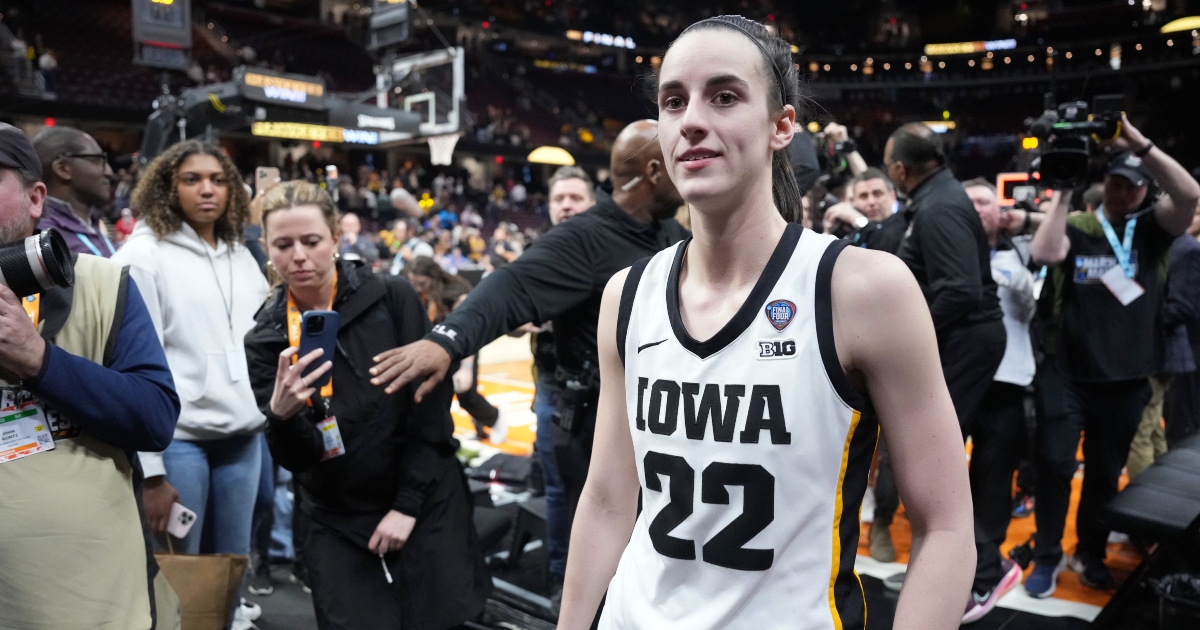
<point>295,442</point>
<point>884,334</point>
<point>608,506</point>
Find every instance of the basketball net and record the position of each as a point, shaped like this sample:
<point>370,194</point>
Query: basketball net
<point>441,148</point>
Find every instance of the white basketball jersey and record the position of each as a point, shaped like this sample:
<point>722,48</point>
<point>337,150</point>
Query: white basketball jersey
<point>753,451</point>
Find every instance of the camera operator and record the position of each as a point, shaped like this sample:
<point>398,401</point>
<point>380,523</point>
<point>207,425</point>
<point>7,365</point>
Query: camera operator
<point>1102,301</point>
<point>945,246</point>
<point>85,367</point>
<point>561,279</point>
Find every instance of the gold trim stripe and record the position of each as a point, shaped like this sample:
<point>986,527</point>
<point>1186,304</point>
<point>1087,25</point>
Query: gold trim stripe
<point>837,520</point>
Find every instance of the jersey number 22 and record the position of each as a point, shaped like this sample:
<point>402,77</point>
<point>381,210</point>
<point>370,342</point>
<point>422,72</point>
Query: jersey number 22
<point>725,548</point>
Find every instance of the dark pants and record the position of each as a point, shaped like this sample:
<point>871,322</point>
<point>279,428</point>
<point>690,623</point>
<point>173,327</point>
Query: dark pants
<point>1026,466</point>
<point>1181,408</point>
<point>472,402</point>
<point>970,356</point>
<point>887,499</point>
<point>1108,414</point>
<point>573,454</point>
<point>558,527</point>
<point>996,430</point>
<point>350,590</point>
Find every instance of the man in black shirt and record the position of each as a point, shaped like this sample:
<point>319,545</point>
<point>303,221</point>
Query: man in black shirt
<point>946,248</point>
<point>560,279</point>
<point>1101,303</point>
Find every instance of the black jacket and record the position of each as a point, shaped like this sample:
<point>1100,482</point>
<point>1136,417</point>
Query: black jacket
<point>947,250</point>
<point>399,454</point>
<point>560,278</point>
<point>1181,307</point>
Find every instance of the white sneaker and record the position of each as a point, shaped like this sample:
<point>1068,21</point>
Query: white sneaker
<point>244,615</point>
<point>499,431</point>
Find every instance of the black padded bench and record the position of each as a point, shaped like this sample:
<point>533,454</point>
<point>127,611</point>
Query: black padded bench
<point>1161,505</point>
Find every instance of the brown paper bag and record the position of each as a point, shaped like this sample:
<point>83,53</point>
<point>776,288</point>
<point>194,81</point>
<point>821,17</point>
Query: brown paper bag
<point>207,586</point>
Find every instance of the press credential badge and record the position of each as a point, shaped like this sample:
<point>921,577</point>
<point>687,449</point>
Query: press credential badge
<point>24,431</point>
<point>1124,288</point>
<point>332,438</point>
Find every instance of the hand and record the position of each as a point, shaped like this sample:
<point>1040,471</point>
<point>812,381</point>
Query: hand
<point>21,348</point>
<point>418,360</point>
<point>1012,221</point>
<point>843,212</point>
<point>524,329</point>
<point>836,132</point>
<point>462,379</point>
<point>158,496</point>
<point>292,388</point>
<point>1130,138</point>
<point>391,533</point>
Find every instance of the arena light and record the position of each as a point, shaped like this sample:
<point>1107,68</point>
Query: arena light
<point>940,126</point>
<point>967,48</point>
<point>555,156</point>
<point>1182,24</point>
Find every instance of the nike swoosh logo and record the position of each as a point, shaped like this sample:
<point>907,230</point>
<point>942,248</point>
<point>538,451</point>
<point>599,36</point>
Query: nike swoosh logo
<point>650,345</point>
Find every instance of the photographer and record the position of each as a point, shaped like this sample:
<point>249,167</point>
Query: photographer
<point>1103,339</point>
<point>873,210</point>
<point>85,359</point>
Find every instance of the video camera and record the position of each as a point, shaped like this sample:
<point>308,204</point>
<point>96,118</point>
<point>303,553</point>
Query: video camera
<point>831,156</point>
<point>1068,136</point>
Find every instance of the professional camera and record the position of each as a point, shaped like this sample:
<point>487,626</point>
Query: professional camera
<point>835,168</point>
<point>1068,135</point>
<point>36,264</point>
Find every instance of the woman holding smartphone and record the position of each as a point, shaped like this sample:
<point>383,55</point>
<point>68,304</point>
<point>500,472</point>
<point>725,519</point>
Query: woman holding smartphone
<point>390,541</point>
<point>202,288</point>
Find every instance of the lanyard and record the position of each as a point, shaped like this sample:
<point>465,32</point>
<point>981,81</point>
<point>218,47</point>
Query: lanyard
<point>293,316</point>
<point>1123,251</point>
<point>33,307</point>
<point>228,304</point>
<point>96,250</point>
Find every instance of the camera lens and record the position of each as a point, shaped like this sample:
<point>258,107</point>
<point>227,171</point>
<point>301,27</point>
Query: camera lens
<point>315,324</point>
<point>36,264</point>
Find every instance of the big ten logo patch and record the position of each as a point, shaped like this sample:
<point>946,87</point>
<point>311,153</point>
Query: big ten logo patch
<point>780,349</point>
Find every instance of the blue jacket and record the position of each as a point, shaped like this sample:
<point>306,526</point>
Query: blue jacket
<point>131,403</point>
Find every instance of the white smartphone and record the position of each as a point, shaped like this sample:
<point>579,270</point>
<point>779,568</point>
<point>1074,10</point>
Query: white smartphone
<point>181,521</point>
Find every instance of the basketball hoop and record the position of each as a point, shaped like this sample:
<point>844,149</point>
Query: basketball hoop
<point>441,149</point>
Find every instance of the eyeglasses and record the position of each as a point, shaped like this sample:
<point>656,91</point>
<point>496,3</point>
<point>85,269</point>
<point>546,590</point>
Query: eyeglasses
<point>101,156</point>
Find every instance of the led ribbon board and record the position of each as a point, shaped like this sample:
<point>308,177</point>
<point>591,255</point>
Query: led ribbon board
<point>314,133</point>
<point>292,90</point>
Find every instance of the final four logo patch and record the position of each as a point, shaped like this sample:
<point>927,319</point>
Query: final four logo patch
<point>780,313</point>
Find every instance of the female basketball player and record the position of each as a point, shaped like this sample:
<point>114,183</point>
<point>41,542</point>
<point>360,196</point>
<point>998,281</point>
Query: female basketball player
<point>751,448</point>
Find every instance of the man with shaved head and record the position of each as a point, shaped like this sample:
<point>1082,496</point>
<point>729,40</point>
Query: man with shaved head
<point>946,248</point>
<point>560,279</point>
<point>78,180</point>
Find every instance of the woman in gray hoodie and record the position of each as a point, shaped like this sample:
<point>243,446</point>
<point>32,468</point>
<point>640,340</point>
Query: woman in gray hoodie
<point>202,288</point>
